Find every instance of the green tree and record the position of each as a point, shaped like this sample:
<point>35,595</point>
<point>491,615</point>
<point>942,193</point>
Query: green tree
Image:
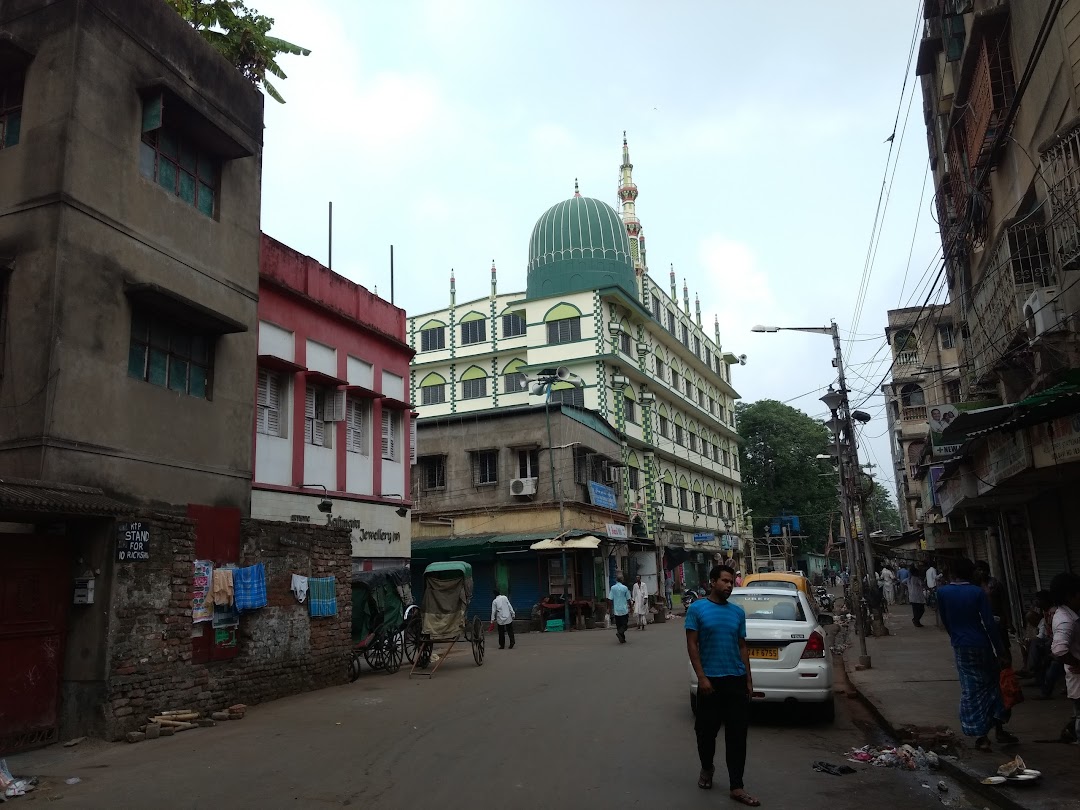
<point>780,472</point>
<point>881,512</point>
<point>240,35</point>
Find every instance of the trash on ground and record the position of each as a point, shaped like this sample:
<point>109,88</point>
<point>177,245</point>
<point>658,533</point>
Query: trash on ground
<point>12,786</point>
<point>1012,767</point>
<point>74,741</point>
<point>904,757</point>
<point>72,780</point>
<point>835,770</point>
<point>944,788</point>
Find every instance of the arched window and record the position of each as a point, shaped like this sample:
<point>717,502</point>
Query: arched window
<point>911,395</point>
<point>905,341</point>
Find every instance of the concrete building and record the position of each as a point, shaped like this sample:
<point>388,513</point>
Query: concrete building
<point>333,418</point>
<point>925,379</point>
<point>484,495</point>
<point>640,358</point>
<point>1001,91</point>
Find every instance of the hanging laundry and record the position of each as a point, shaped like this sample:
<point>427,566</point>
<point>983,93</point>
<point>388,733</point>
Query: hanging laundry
<point>299,587</point>
<point>222,592</point>
<point>323,599</point>
<point>202,605</point>
<point>250,585</point>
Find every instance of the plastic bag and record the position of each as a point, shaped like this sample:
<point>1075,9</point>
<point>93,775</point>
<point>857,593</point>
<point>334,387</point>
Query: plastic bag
<point>1011,692</point>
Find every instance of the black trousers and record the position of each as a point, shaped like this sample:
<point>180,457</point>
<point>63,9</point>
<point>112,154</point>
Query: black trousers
<point>505,629</point>
<point>727,706</point>
<point>620,624</point>
<point>917,611</point>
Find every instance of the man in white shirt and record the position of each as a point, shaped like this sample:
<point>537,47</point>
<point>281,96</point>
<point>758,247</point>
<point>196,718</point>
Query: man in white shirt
<point>931,577</point>
<point>1065,647</point>
<point>640,597</point>
<point>502,614</point>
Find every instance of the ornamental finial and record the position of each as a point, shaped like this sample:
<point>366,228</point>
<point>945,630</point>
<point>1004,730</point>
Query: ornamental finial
<point>577,193</point>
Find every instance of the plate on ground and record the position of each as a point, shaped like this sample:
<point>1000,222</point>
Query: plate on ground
<point>994,780</point>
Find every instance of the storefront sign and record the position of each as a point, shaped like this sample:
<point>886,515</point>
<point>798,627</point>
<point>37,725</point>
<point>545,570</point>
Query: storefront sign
<point>704,537</point>
<point>1006,454</point>
<point>84,591</point>
<point>603,496</point>
<point>939,537</point>
<point>615,531</point>
<point>295,542</point>
<point>132,542</point>
<point>1056,441</point>
<point>729,542</point>
<point>200,592</point>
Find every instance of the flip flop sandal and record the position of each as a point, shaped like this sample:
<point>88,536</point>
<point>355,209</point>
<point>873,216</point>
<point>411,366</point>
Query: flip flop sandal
<point>705,779</point>
<point>983,744</point>
<point>745,798</point>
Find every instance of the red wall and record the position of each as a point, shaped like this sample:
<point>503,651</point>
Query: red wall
<point>299,294</point>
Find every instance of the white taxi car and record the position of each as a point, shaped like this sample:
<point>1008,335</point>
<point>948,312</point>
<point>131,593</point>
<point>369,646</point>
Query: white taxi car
<point>785,637</point>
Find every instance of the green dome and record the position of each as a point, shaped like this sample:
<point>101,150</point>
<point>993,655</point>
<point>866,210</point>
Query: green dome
<point>579,244</point>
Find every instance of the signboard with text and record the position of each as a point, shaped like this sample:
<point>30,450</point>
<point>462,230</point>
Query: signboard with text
<point>941,416</point>
<point>1056,441</point>
<point>704,537</point>
<point>603,496</point>
<point>615,531</point>
<point>132,542</point>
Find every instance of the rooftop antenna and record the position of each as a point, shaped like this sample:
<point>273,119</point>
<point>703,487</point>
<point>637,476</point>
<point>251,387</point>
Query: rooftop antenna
<point>330,237</point>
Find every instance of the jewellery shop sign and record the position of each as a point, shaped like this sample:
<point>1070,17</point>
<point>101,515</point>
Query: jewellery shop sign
<point>132,542</point>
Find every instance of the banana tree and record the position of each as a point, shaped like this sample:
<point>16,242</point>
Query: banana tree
<point>242,36</point>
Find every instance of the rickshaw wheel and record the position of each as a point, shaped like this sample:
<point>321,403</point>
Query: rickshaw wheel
<point>354,667</point>
<point>423,652</point>
<point>394,654</point>
<point>375,654</point>
<point>477,629</point>
<point>411,637</point>
<point>478,650</point>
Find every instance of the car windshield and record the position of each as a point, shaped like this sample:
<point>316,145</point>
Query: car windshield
<point>772,583</point>
<point>770,606</point>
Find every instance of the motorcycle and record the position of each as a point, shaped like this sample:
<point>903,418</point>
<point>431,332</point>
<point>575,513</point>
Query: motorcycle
<point>690,595</point>
<point>824,599</point>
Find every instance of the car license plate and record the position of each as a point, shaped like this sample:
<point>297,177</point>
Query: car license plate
<point>772,653</point>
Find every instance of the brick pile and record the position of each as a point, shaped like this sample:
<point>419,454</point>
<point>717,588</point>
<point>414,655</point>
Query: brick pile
<point>281,649</point>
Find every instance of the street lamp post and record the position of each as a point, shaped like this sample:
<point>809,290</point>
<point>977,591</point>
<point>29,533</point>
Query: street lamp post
<point>839,407</point>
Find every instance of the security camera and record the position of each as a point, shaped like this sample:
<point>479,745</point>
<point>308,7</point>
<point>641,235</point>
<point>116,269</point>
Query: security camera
<point>326,505</point>
<point>742,359</point>
<point>402,511</point>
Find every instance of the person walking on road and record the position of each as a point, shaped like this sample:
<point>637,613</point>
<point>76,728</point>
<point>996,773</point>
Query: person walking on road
<point>502,614</point>
<point>619,596</point>
<point>641,603</point>
<point>1065,589</point>
<point>716,644</point>
<point>964,610</point>
<point>916,595</point>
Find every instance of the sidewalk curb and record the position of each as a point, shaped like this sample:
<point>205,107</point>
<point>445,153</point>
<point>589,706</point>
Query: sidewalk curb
<point>968,778</point>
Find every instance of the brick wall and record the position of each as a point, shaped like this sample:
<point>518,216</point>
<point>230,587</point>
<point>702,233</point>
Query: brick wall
<point>281,649</point>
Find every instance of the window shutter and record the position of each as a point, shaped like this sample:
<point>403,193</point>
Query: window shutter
<point>317,432</point>
<point>412,441</point>
<point>389,449</point>
<point>309,403</point>
<point>351,443</point>
<point>273,404</point>
<point>335,407</point>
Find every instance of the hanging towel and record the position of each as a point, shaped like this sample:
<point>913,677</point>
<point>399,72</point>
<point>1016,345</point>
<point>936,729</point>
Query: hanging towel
<point>299,587</point>
<point>223,586</point>
<point>250,585</point>
<point>323,599</point>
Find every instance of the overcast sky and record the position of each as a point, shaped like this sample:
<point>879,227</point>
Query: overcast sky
<point>756,132</point>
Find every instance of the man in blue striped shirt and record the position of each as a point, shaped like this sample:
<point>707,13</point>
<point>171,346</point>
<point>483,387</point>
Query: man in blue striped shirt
<point>716,644</point>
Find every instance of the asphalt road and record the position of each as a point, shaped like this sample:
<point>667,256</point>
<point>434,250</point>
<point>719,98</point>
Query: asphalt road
<point>562,721</point>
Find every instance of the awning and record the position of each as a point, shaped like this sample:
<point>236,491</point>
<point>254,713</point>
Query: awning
<point>969,424</point>
<point>585,541</point>
<point>328,380</point>
<point>478,545</point>
<point>26,495</point>
<point>188,312</point>
<point>275,363</point>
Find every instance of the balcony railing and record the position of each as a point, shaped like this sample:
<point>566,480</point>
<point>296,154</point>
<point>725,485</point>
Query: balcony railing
<point>1020,264</point>
<point>992,88</point>
<point>913,413</point>
<point>1061,170</point>
<point>910,358</point>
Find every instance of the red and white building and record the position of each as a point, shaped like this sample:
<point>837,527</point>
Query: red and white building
<point>332,406</point>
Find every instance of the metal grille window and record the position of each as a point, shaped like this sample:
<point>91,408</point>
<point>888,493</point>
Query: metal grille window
<point>433,339</point>
<point>688,387</point>
<point>697,502</point>
<point>946,334</point>
<point>693,442</point>
<point>706,449</point>
<point>433,472</point>
<point>168,355</point>
<point>724,455</point>
<point>661,370</point>
<point>700,398</point>
<point>633,475</point>
<point>569,396</point>
<point>432,394</point>
<point>697,345</point>
<point>708,504</point>
<point>631,410</point>
<point>952,391</point>
<point>684,498</point>
<point>473,332</point>
<point>669,494</point>
<point>180,167</point>
<point>708,357</point>
<point>716,453</point>
<point>685,335</point>
<point>665,427</point>
<point>676,379</point>
<point>680,436</point>
<point>485,467</point>
<point>474,389</point>
<point>671,322</point>
<point>356,421</point>
<point>712,405</point>
<point>11,98</point>
<point>566,330</point>
<point>513,325</point>
<point>624,343</point>
<point>268,419</point>
<point>515,382</point>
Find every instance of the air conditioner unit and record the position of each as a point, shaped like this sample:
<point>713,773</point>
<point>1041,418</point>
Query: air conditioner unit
<point>1042,312</point>
<point>613,474</point>
<point>523,486</point>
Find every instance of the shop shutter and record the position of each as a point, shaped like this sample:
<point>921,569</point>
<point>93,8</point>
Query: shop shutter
<point>1051,555</point>
<point>524,585</point>
<point>483,591</point>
